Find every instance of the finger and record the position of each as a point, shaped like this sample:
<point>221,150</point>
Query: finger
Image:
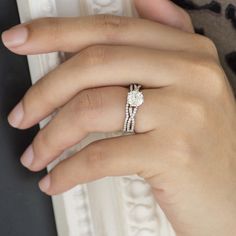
<point>97,67</point>
<point>165,12</point>
<point>73,34</point>
<point>94,110</point>
<point>100,159</point>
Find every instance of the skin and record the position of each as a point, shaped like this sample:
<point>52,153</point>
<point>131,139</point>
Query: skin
<point>185,141</point>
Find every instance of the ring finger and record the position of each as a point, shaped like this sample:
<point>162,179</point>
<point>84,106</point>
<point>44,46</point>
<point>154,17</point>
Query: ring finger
<point>93,110</point>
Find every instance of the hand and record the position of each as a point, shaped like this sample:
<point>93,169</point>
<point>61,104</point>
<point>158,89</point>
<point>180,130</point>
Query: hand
<point>185,131</point>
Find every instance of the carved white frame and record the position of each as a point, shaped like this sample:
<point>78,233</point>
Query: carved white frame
<point>112,206</point>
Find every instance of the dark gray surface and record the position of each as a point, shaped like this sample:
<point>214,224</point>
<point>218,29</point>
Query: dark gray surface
<point>217,19</point>
<point>24,210</point>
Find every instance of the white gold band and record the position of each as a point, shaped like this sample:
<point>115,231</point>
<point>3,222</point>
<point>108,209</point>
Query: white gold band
<point>134,100</point>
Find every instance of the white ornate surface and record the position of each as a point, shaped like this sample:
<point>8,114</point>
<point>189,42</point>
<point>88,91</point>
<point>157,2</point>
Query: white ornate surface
<point>112,206</point>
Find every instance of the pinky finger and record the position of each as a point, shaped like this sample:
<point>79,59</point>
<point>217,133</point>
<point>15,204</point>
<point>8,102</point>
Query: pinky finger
<point>110,157</point>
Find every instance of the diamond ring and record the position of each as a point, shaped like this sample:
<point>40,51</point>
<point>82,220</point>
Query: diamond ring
<point>134,100</point>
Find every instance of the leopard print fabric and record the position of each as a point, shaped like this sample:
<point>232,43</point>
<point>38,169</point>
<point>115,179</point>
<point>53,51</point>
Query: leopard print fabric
<point>216,20</point>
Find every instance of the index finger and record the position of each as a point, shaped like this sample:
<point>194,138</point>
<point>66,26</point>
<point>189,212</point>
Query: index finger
<point>73,34</point>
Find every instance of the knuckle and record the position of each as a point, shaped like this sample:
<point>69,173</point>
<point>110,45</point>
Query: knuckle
<point>207,45</point>
<point>197,111</point>
<point>95,55</point>
<point>39,94</point>
<point>212,75</point>
<point>206,73</point>
<point>45,145</point>
<point>110,24</point>
<point>107,20</point>
<point>88,105</point>
<point>186,19</point>
<point>186,16</point>
<point>42,143</point>
<point>216,81</point>
<point>96,157</point>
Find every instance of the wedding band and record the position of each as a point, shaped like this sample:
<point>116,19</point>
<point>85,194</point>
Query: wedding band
<point>134,100</point>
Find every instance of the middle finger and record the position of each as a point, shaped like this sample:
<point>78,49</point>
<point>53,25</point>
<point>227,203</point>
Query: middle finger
<point>96,67</point>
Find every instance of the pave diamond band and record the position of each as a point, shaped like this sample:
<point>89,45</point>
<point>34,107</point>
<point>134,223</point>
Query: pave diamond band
<point>134,100</point>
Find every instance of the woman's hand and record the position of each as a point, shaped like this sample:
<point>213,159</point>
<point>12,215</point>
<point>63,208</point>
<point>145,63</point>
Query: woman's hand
<point>185,142</point>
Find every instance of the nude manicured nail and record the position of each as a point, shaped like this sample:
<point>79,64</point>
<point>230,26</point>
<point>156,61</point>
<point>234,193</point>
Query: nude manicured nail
<point>16,116</point>
<point>15,36</point>
<point>44,184</point>
<point>27,157</point>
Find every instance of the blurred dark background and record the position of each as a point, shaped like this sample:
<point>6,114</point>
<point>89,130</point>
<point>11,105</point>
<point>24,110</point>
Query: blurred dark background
<point>24,210</point>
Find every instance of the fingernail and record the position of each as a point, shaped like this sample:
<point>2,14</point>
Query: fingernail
<point>44,184</point>
<point>27,157</point>
<point>16,116</point>
<point>15,36</point>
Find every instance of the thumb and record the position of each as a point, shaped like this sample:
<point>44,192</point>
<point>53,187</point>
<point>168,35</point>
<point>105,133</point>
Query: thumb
<point>165,12</point>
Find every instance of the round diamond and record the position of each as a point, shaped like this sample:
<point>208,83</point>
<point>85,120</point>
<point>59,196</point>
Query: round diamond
<point>135,98</point>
